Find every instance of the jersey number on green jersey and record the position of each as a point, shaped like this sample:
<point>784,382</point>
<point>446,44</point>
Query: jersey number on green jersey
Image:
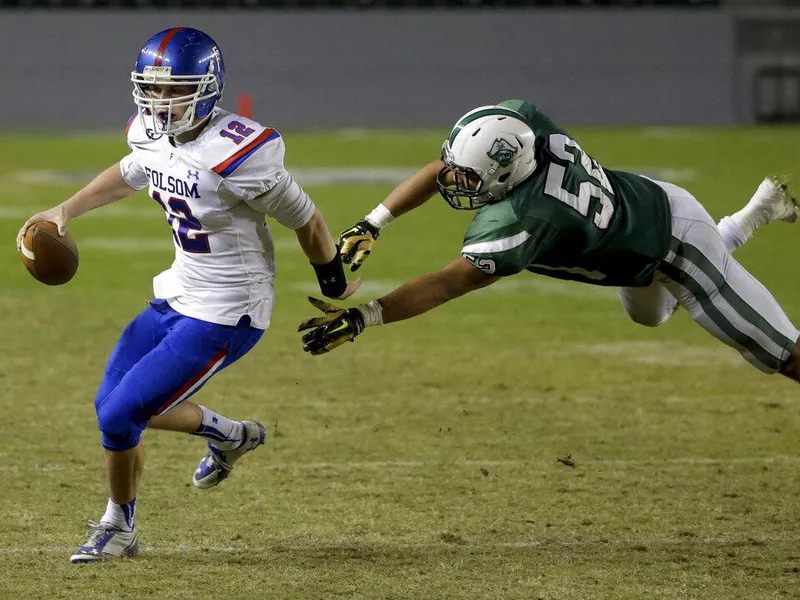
<point>593,182</point>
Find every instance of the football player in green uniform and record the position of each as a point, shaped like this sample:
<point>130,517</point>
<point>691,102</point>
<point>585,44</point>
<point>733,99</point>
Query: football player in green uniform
<point>544,205</point>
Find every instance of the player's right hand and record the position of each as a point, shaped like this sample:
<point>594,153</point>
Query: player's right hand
<point>332,329</point>
<point>356,243</point>
<point>54,215</point>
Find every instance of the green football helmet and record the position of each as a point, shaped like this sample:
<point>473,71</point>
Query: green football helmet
<point>489,151</point>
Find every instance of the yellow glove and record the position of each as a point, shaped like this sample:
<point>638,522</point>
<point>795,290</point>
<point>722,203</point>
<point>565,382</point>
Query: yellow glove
<point>356,243</point>
<point>334,328</point>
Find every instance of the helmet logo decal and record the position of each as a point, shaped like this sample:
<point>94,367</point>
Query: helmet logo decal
<point>214,66</point>
<point>502,152</point>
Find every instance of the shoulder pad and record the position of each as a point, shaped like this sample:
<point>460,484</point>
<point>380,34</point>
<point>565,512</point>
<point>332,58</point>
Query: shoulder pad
<point>229,140</point>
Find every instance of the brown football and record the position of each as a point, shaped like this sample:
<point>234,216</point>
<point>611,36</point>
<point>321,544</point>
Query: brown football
<point>50,258</point>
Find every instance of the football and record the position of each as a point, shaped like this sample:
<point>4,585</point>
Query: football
<point>50,258</point>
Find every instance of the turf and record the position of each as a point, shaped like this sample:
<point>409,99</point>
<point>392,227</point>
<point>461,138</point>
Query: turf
<point>526,441</point>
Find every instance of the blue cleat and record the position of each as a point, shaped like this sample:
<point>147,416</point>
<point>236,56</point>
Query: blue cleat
<point>106,542</point>
<point>217,464</point>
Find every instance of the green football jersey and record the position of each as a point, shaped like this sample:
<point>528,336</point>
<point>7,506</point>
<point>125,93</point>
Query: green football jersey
<point>571,218</point>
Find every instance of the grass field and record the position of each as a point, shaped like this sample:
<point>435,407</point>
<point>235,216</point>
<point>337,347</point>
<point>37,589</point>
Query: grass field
<point>527,441</point>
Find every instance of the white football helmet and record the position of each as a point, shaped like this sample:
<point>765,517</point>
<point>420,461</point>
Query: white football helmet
<point>489,151</point>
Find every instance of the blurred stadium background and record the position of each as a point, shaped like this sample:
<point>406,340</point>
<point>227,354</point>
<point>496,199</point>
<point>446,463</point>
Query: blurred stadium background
<point>385,63</point>
<point>527,441</point>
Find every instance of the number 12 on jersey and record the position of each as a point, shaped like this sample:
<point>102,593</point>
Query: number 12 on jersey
<point>242,131</point>
<point>185,226</point>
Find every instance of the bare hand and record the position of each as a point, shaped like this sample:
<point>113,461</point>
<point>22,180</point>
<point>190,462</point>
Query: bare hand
<point>352,288</point>
<point>54,215</point>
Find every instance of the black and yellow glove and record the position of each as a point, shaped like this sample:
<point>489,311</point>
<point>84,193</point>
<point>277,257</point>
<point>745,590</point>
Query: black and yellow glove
<point>356,243</point>
<point>334,328</point>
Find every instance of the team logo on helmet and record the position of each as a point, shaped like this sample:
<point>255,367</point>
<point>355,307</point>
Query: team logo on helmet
<point>215,66</point>
<point>502,152</point>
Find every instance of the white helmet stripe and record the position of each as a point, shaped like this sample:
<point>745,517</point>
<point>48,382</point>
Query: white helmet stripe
<point>483,111</point>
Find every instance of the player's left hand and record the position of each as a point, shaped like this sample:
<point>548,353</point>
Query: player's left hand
<point>334,328</point>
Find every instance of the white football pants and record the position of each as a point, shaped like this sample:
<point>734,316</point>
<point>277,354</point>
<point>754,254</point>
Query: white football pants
<point>719,294</point>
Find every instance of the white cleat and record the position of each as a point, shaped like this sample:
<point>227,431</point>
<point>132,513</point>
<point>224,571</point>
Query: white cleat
<point>106,542</point>
<point>217,464</point>
<point>773,201</point>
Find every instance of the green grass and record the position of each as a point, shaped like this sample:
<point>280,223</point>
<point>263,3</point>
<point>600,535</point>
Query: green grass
<point>421,461</point>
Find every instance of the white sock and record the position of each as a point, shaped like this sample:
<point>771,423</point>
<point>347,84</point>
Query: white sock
<point>120,516</point>
<point>733,234</point>
<point>751,217</point>
<point>221,431</point>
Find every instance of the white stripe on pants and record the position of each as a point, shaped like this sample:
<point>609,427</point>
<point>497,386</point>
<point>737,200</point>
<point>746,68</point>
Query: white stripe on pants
<point>718,293</point>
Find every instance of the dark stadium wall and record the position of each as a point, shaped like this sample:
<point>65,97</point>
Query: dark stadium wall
<point>70,70</point>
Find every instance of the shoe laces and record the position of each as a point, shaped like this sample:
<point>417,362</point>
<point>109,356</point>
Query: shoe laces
<point>98,530</point>
<point>218,458</point>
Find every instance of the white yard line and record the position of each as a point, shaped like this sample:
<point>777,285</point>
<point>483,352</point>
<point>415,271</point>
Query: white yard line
<point>656,353</point>
<point>336,175</point>
<point>352,176</point>
<point>118,211</point>
<point>304,175</point>
<point>137,245</point>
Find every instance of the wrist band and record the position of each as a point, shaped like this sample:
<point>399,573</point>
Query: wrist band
<point>331,277</point>
<point>380,216</point>
<point>372,312</point>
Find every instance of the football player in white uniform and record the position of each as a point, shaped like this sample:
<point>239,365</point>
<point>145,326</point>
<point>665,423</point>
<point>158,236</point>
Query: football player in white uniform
<point>216,175</point>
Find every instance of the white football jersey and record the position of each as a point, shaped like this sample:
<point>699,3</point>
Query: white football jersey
<point>216,191</point>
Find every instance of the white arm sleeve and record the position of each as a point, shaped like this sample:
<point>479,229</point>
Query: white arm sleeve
<point>133,173</point>
<point>285,201</point>
<point>267,187</point>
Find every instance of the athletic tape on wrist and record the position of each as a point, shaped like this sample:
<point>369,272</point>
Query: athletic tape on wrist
<point>380,217</point>
<point>372,313</point>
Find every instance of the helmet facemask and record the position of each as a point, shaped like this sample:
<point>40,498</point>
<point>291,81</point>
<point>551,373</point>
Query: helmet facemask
<point>157,113</point>
<point>489,151</point>
<point>462,187</point>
